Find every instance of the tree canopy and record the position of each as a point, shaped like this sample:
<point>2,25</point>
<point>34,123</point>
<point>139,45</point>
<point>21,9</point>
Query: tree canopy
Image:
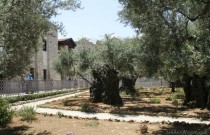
<point>22,24</point>
<point>175,40</point>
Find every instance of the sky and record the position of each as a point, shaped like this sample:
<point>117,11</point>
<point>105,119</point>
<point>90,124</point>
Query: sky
<point>97,18</point>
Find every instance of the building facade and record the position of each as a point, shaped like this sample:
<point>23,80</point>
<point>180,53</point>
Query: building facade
<point>41,67</point>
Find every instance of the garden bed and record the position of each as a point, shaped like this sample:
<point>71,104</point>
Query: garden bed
<point>148,101</point>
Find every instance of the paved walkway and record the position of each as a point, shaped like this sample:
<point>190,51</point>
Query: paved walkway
<point>105,116</point>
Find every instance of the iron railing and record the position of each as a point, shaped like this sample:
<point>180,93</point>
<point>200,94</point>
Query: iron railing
<point>12,87</point>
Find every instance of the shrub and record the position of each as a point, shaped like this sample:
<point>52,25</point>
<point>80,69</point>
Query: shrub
<point>155,101</point>
<point>151,95</point>
<point>34,96</point>
<point>5,113</point>
<point>85,107</point>
<point>92,123</point>
<point>168,98</point>
<point>175,101</point>
<point>27,113</point>
<point>178,95</point>
<point>161,90</point>
<point>60,114</point>
<point>65,102</point>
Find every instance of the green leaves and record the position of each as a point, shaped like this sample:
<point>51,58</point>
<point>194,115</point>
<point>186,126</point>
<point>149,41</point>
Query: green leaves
<point>65,62</point>
<point>23,23</point>
<point>175,39</point>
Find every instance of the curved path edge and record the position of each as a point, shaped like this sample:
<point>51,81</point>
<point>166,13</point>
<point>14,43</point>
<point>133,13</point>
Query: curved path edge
<point>105,116</point>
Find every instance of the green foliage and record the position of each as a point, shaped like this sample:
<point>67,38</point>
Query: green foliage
<point>23,24</point>
<point>155,101</point>
<point>65,102</point>
<point>115,53</point>
<point>27,113</point>
<point>64,64</point>
<point>5,113</point>
<point>34,96</point>
<point>139,88</point>
<point>151,95</point>
<point>174,34</point>
<point>175,101</point>
<point>85,106</point>
<point>60,114</point>
<point>179,94</point>
<point>169,98</point>
<point>92,123</point>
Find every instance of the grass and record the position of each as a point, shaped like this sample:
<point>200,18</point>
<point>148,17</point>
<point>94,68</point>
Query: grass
<point>151,95</point>
<point>92,123</point>
<point>27,113</point>
<point>155,100</point>
<point>65,102</point>
<point>175,101</point>
<point>169,98</point>
<point>85,106</point>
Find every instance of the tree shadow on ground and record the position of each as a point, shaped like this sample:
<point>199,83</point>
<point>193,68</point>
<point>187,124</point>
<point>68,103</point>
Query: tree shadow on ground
<point>182,128</point>
<point>149,110</point>
<point>205,116</point>
<point>19,130</point>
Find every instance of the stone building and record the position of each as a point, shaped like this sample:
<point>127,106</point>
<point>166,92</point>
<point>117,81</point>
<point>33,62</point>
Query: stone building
<point>41,67</point>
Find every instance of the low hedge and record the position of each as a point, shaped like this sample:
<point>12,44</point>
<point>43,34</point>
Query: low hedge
<point>36,96</point>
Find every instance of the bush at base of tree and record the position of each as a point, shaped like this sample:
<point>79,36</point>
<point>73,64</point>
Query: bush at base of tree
<point>5,113</point>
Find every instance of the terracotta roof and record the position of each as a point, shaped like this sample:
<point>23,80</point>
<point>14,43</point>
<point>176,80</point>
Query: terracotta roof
<point>67,41</point>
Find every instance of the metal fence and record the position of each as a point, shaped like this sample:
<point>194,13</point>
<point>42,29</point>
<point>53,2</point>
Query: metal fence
<point>147,82</point>
<point>11,87</point>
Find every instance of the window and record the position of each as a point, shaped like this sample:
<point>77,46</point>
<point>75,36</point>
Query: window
<point>45,74</point>
<point>44,45</point>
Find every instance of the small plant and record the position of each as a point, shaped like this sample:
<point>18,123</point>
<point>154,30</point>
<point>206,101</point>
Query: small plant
<point>169,98</point>
<point>85,107</point>
<point>5,113</point>
<point>75,96</point>
<point>175,101</point>
<point>161,90</point>
<point>155,101</point>
<point>151,95</point>
<point>92,123</point>
<point>65,102</point>
<point>179,94</point>
<point>27,113</point>
<point>139,88</point>
<point>60,114</point>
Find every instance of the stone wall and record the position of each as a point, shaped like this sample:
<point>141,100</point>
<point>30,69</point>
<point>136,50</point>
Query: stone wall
<point>43,60</point>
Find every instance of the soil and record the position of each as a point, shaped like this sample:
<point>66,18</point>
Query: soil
<point>53,125</point>
<point>139,104</point>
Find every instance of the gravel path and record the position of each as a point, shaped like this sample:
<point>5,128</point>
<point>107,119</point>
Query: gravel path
<point>105,116</point>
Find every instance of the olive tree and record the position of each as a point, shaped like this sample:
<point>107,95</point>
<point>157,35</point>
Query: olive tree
<point>175,42</point>
<point>22,24</point>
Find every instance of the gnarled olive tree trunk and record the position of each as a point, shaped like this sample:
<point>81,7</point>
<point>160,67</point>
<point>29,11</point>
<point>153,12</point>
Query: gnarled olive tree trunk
<point>105,87</point>
<point>196,91</point>
<point>97,87</point>
<point>111,94</point>
<point>128,85</point>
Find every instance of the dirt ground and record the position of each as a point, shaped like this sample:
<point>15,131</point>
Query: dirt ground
<point>53,125</point>
<point>140,104</point>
